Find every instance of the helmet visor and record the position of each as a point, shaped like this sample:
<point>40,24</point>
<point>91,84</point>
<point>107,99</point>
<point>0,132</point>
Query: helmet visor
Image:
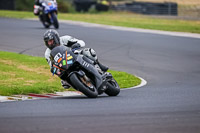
<point>50,43</point>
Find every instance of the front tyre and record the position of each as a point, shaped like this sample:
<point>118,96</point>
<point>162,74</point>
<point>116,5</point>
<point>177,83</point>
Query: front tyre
<point>55,20</point>
<point>77,84</point>
<point>113,88</point>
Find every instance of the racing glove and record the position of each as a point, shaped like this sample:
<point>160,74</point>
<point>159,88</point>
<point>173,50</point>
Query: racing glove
<point>75,46</point>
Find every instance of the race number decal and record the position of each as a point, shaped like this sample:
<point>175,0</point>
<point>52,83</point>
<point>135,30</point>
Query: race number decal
<point>57,57</point>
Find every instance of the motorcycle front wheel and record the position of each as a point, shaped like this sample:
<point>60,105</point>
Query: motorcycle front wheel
<point>87,88</point>
<point>55,20</point>
<point>113,88</point>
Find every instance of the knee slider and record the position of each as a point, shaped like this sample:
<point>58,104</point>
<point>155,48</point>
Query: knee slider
<point>90,53</point>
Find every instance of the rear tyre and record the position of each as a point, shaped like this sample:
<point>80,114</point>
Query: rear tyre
<point>46,25</point>
<point>80,86</point>
<point>42,19</point>
<point>113,88</point>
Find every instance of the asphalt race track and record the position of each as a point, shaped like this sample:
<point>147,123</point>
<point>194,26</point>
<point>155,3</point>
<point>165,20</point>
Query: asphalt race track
<point>169,103</point>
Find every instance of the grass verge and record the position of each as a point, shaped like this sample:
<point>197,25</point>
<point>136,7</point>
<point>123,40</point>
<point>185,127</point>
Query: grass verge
<point>23,74</point>
<point>120,19</point>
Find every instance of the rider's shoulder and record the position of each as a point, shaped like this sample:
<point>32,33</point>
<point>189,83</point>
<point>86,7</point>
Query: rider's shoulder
<point>65,37</point>
<point>47,53</point>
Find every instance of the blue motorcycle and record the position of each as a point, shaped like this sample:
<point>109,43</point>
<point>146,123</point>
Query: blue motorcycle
<point>49,14</point>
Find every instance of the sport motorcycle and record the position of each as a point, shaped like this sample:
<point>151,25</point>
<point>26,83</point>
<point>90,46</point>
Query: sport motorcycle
<point>49,13</point>
<point>81,73</point>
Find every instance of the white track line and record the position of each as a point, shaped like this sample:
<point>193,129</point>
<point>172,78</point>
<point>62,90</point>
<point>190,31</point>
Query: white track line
<point>85,24</point>
<point>169,33</point>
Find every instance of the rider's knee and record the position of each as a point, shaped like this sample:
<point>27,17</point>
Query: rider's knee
<point>90,53</point>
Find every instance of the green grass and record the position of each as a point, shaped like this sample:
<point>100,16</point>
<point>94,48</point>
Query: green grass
<point>23,74</point>
<point>17,14</point>
<point>120,19</point>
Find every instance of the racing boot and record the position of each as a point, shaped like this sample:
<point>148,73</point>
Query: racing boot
<point>103,68</point>
<point>65,84</point>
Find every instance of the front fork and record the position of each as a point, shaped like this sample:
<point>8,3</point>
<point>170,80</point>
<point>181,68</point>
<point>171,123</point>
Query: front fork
<point>50,17</point>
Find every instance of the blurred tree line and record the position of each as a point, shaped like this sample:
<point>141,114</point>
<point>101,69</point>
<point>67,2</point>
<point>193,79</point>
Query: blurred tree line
<point>63,5</point>
<point>27,5</point>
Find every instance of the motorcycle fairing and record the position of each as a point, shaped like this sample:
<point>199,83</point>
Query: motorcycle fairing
<point>49,6</point>
<point>91,69</point>
<point>62,55</point>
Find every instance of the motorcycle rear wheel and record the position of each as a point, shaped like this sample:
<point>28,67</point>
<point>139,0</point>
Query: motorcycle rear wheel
<point>80,86</point>
<point>46,25</point>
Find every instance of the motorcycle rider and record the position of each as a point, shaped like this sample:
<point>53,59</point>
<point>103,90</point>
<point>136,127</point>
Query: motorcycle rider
<point>52,39</point>
<point>38,6</point>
